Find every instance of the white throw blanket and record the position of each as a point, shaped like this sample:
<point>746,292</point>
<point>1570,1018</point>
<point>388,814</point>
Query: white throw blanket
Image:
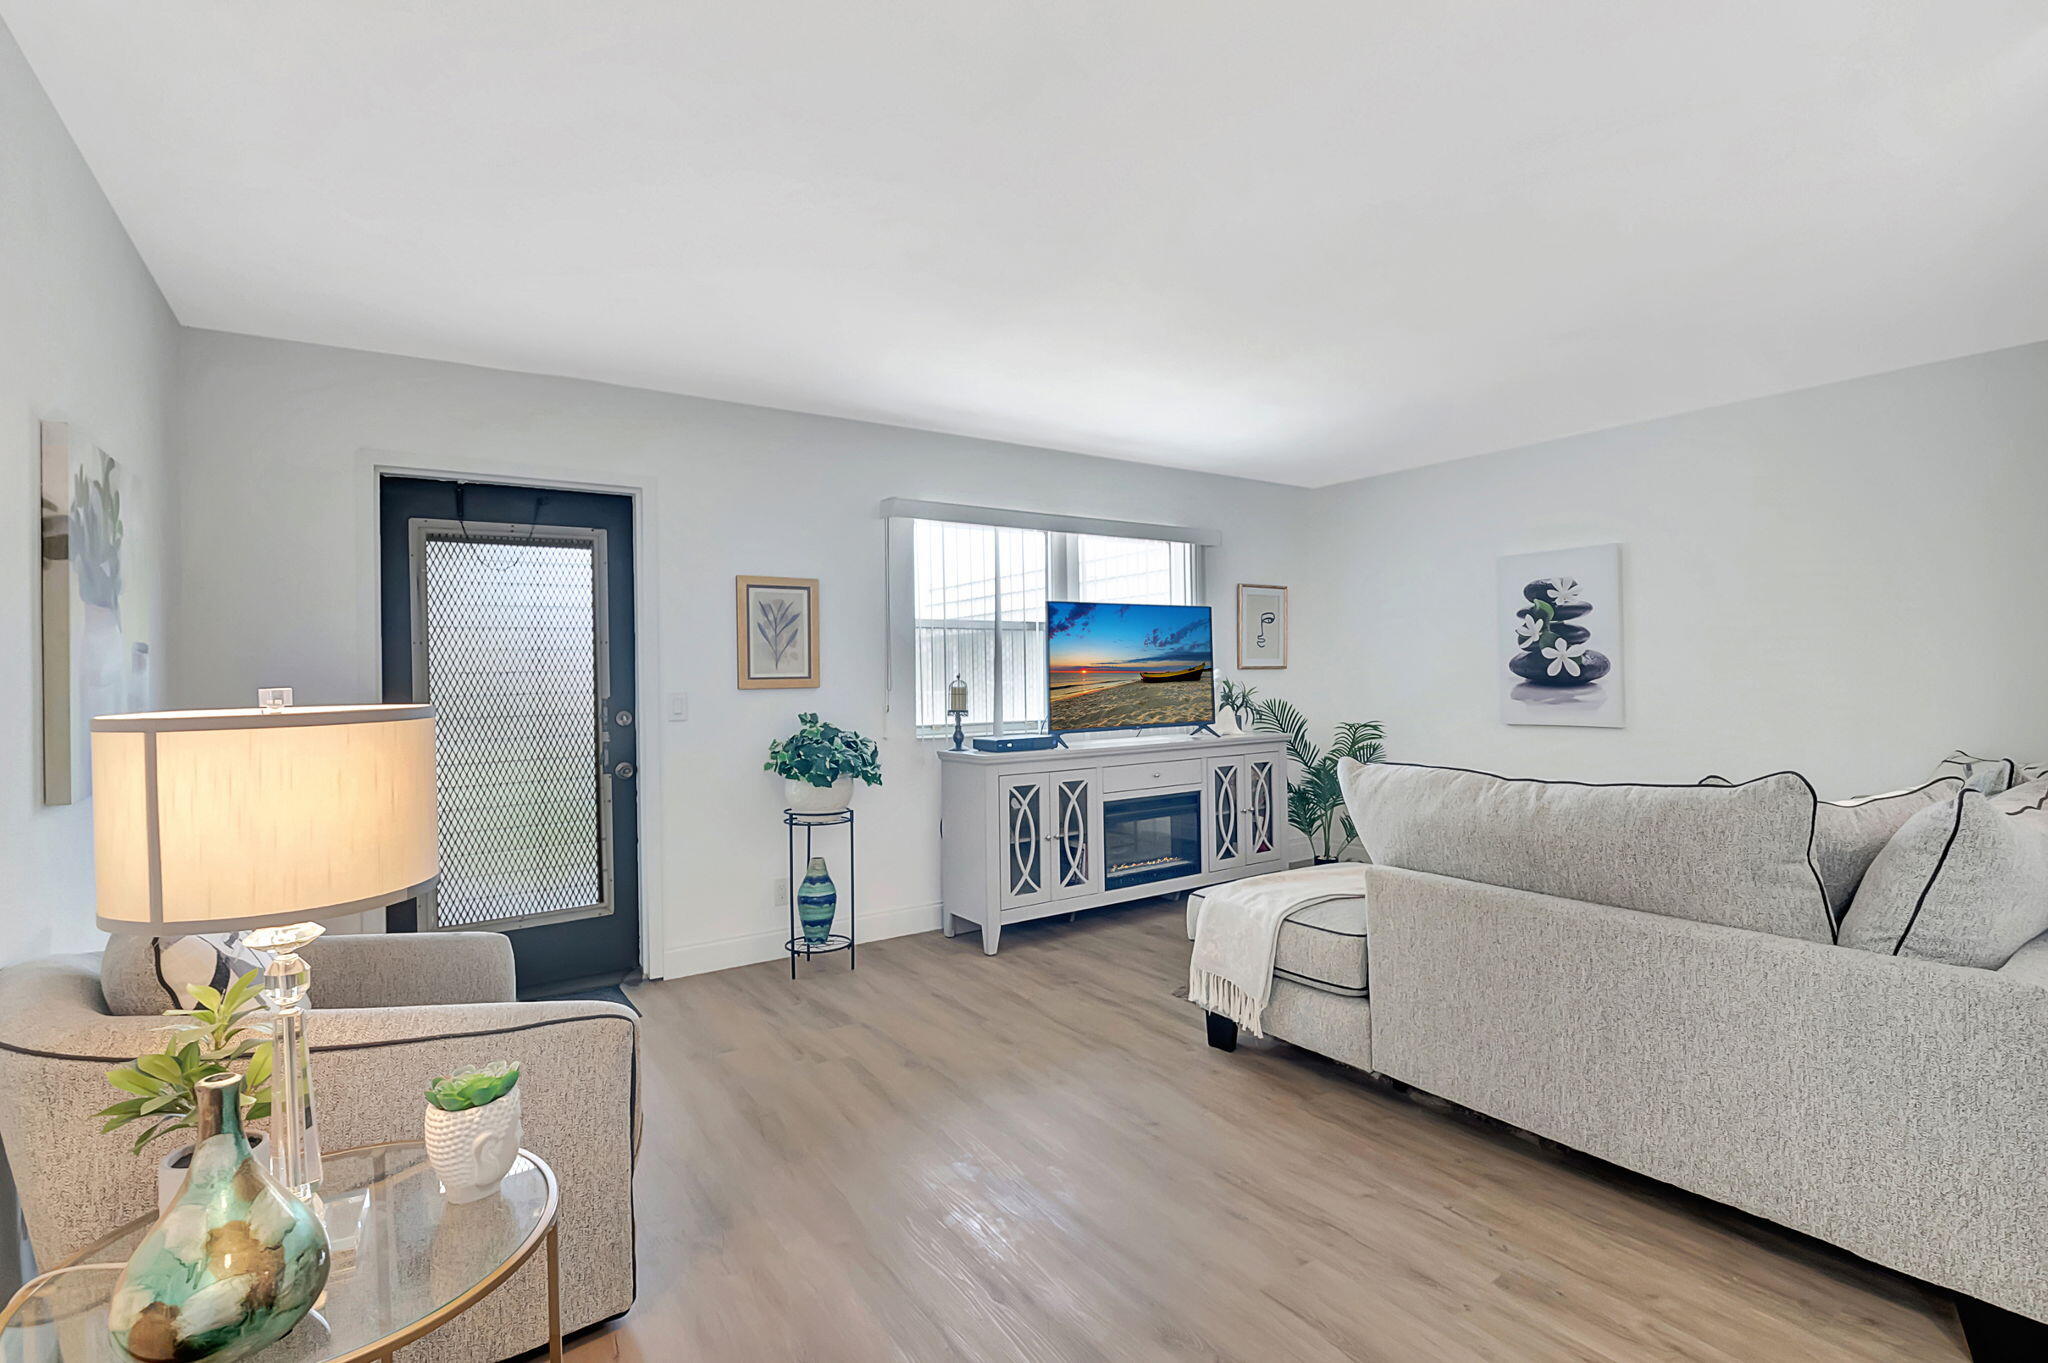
<point>1239,931</point>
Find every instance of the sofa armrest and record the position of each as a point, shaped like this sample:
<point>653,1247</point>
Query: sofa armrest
<point>579,1109</point>
<point>579,1099</point>
<point>404,969</point>
<point>1890,1106</point>
<point>2029,965</point>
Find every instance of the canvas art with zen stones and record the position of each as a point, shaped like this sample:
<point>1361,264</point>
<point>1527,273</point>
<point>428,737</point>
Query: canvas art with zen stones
<point>1561,639</point>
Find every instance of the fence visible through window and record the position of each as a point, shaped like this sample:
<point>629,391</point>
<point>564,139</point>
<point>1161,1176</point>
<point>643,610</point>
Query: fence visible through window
<point>509,642</point>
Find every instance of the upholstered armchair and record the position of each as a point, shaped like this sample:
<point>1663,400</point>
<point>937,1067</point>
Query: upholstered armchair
<point>390,1014</point>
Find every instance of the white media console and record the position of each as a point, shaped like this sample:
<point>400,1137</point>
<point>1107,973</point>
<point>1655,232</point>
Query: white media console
<point>1027,835</point>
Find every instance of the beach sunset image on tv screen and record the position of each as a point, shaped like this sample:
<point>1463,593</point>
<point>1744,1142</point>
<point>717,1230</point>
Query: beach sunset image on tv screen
<point>1121,667</point>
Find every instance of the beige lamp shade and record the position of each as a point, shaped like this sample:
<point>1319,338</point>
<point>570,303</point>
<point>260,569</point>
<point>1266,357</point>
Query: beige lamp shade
<point>220,820</point>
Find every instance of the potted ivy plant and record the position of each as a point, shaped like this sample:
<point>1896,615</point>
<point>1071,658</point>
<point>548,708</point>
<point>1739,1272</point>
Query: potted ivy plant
<point>819,764</point>
<point>220,1035</point>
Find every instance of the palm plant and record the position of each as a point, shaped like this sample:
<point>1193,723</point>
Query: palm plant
<point>1315,802</point>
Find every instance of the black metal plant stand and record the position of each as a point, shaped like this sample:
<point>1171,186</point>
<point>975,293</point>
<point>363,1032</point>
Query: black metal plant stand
<point>798,945</point>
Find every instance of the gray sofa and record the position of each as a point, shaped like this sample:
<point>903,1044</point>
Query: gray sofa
<point>1895,1107</point>
<point>391,1013</point>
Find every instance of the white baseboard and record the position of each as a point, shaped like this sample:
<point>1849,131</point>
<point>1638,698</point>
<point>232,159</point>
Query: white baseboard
<point>696,958</point>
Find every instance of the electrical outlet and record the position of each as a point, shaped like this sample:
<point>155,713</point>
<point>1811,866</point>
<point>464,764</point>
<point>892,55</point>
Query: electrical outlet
<point>779,889</point>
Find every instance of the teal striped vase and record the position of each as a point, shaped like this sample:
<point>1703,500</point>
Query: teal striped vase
<point>817,901</point>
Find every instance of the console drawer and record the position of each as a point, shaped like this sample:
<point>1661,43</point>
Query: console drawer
<point>1150,775</point>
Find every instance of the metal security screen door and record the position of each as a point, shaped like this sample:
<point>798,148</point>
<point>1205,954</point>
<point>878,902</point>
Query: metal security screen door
<point>508,644</point>
<point>506,619</point>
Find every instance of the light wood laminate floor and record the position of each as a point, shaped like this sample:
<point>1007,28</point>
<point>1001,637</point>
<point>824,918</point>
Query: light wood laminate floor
<point>949,1156</point>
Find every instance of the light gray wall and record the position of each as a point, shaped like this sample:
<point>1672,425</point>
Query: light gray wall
<point>280,443</point>
<point>1845,580</point>
<point>86,338</point>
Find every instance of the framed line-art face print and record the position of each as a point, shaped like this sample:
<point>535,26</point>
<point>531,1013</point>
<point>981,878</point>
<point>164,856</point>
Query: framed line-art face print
<point>777,626</point>
<point>1261,625</point>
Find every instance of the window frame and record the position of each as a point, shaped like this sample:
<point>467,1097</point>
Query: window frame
<point>1062,583</point>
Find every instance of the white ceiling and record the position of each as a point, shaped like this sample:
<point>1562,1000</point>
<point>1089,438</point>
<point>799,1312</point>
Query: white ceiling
<point>1291,240</point>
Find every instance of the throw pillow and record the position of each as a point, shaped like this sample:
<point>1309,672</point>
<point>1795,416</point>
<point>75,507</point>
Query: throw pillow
<point>1964,881</point>
<point>1848,834</point>
<point>1735,855</point>
<point>1991,775</point>
<point>140,976</point>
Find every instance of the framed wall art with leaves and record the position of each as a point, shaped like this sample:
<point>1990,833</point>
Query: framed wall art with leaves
<point>778,631</point>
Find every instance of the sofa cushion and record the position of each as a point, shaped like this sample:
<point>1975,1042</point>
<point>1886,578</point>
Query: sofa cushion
<point>1738,855</point>
<point>1965,881</point>
<point>1848,834</point>
<point>1991,775</point>
<point>1324,946</point>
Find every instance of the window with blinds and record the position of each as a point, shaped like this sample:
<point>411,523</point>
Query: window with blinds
<point>979,594</point>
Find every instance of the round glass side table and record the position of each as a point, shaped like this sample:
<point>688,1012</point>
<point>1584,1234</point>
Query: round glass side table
<point>405,1261</point>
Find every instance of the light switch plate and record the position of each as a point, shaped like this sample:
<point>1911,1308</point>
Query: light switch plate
<point>678,706</point>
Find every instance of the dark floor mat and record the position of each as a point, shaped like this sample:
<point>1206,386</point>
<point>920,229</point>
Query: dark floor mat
<point>604,993</point>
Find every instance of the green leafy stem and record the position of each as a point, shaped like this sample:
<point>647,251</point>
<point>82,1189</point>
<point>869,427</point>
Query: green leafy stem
<point>217,1037</point>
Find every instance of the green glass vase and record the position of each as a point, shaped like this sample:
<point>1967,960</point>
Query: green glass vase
<point>817,901</point>
<point>233,1264</point>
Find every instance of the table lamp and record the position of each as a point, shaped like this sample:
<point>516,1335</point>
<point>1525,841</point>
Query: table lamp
<point>265,821</point>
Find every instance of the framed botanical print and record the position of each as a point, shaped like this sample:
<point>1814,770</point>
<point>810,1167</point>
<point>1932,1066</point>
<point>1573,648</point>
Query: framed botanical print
<point>778,631</point>
<point>1261,625</point>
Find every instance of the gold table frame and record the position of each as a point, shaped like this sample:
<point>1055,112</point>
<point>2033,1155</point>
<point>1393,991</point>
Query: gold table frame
<point>383,1350</point>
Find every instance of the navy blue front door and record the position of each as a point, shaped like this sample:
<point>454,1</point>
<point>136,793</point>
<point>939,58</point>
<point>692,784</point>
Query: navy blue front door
<point>511,609</point>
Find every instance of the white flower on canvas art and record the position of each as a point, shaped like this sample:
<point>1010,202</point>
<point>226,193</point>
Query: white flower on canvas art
<point>1528,629</point>
<point>1564,591</point>
<point>1564,658</point>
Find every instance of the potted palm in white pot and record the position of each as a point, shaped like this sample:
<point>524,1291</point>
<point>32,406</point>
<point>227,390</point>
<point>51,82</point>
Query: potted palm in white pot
<point>819,764</point>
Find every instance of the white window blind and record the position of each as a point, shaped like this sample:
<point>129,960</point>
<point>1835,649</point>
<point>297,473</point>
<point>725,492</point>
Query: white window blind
<point>978,602</point>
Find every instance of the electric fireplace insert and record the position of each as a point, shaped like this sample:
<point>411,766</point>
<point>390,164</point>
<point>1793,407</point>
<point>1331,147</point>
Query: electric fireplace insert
<point>1151,837</point>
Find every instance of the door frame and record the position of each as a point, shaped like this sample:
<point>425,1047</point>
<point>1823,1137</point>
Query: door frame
<point>371,468</point>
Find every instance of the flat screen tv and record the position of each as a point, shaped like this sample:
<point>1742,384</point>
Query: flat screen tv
<point>1127,667</point>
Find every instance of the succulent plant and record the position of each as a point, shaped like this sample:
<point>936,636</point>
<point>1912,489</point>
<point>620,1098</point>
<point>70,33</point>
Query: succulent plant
<point>466,1089</point>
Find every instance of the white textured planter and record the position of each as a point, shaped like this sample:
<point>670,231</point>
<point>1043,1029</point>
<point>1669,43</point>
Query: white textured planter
<point>805,798</point>
<point>171,1169</point>
<point>473,1150</point>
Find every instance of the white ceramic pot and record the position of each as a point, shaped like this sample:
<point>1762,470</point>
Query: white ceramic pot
<point>171,1169</point>
<point>805,798</point>
<point>473,1150</point>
